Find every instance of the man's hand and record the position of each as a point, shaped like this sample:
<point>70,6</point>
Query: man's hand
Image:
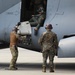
<point>35,29</point>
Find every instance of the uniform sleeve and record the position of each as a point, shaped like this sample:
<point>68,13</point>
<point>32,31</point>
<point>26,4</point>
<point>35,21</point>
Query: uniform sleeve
<point>56,41</point>
<point>40,41</point>
<point>33,21</point>
<point>41,19</point>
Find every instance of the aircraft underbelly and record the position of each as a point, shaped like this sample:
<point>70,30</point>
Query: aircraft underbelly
<point>67,47</point>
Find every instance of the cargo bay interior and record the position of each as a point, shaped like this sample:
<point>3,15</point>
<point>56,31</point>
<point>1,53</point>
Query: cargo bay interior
<point>27,8</point>
<point>25,11</point>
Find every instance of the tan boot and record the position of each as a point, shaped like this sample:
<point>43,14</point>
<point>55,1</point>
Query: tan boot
<point>51,69</point>
<point>44,69</point>
<point>13,68</point>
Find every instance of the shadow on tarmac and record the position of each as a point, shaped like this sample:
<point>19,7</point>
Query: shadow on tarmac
<point>35,66</point>
<point>2,46</point>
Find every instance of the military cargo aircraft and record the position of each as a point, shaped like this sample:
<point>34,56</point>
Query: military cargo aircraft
<point>60,13</point>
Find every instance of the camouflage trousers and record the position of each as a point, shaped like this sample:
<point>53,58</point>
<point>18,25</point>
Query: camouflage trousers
<point>50,54</point>
<point>14,52</point>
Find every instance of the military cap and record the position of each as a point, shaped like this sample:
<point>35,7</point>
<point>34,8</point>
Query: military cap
<point>49,26</point>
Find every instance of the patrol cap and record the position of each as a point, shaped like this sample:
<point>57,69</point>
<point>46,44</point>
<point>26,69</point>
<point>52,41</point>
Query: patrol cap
<point>49,26</point>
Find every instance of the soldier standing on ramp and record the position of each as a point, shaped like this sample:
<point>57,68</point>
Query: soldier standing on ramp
<point>49,44</point>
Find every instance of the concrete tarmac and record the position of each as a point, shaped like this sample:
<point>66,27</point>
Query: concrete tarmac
<point>30,63</point>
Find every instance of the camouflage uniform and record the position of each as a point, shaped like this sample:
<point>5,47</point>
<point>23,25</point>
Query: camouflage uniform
<point>49,44</point>
<point>13,49</point>
<point>37,20</point>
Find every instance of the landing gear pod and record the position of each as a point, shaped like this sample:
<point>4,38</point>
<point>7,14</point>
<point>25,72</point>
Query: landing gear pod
<point>66,47</point>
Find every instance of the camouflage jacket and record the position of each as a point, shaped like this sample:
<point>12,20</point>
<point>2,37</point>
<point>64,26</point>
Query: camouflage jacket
<point>37,19</point>
<point>48,41</point>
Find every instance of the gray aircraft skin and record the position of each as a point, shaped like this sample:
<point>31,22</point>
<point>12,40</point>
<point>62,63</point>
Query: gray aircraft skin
<point>60,13</point>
